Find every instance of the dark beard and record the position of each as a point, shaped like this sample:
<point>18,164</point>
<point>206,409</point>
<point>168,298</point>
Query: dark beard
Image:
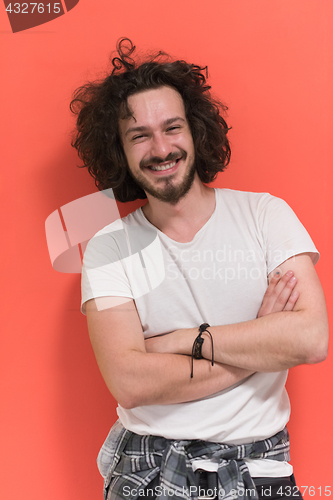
<point>169,193</point>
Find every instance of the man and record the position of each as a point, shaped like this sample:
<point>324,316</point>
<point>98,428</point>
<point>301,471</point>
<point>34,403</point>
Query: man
<point>203,408</point>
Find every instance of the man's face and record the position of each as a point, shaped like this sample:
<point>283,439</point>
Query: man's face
<point>158,144</point>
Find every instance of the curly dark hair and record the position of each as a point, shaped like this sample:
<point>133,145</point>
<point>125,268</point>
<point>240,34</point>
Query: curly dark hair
<point>99,105</point>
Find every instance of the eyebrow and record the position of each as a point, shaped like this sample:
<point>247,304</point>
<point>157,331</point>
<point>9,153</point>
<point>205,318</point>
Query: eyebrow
<point>167,122</point>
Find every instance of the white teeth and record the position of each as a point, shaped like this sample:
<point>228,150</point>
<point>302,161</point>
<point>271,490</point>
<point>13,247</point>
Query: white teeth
<point>163,167</point>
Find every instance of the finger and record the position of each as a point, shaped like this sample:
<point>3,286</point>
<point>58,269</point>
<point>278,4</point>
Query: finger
<point>277,293</point>
<point>281,285</point>
<point>268,298</point>
<point>285,294</point>
<point>291,301</point>
<point>273,280</point>
<point>270,290</point>
<point>273,300</point>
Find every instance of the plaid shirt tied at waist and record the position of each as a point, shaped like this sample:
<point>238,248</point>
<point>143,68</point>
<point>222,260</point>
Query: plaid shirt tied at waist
<point>137,460</point>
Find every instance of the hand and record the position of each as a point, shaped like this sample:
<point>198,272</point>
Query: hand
<point>280,294</point>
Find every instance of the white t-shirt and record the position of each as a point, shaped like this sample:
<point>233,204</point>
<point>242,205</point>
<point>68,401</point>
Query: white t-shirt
<point>218,278</point>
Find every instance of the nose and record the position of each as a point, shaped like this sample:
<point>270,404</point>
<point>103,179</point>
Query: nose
<point>160,146</point>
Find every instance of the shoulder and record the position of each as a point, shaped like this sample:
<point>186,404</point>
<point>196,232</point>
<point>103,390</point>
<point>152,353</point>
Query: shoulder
<point>241,196</point>
<point>260,209</point>
<point>119,239</point>
<point>248,200</point>
<point>132,219</point>
<point>110,238</point>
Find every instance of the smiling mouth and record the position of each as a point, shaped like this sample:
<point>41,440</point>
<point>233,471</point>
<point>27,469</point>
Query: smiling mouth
<point>164,166</point>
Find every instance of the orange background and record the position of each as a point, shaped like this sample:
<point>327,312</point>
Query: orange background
<point>271,63</point>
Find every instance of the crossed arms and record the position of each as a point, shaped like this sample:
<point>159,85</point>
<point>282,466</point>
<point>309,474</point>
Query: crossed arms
<point>286,333</point>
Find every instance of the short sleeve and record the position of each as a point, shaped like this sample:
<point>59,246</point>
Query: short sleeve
<point>122,260</point>
<point>103,273</point>
<point>284,236</point>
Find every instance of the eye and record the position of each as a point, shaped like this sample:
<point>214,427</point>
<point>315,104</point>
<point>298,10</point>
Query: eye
<point>174,128</point>
<point>138,137</point>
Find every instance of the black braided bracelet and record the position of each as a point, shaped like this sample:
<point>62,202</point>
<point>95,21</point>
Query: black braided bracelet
<point>197,345</point>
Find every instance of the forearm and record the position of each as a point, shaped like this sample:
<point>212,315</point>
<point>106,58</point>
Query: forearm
<point>271,343</point>
<point>154,378</point>
<point>283,335</point>
<point>136,377</point>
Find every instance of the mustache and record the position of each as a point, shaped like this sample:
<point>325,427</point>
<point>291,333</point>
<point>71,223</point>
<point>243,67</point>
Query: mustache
<point>156,160</point>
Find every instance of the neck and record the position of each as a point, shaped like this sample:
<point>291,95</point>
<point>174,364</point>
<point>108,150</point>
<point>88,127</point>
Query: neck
<point>181,221</point>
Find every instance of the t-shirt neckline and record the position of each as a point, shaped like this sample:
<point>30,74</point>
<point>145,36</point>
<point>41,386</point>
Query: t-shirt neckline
<point>196,234</point>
